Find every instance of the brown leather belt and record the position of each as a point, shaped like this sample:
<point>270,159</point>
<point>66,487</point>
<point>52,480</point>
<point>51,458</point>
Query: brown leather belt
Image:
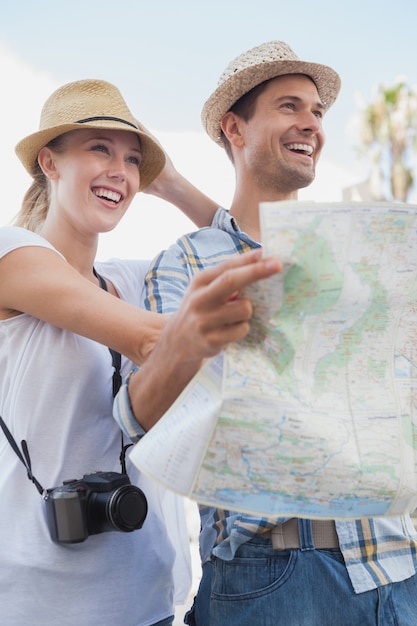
<point>286,537</point>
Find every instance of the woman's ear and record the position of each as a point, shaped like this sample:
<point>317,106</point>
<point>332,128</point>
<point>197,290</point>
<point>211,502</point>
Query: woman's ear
<point>47,163</point>
<point>231,127</point>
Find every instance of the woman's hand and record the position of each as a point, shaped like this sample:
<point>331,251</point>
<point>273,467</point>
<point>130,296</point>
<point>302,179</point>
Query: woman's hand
<point>174,188</point>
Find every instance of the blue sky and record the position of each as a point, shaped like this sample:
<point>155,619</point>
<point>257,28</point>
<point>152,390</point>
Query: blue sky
<point>166,57</point>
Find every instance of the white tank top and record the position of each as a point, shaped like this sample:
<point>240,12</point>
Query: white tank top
<point>56,393</point>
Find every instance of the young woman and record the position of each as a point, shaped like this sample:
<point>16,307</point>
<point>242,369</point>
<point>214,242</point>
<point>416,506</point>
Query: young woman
<point>67,560</point>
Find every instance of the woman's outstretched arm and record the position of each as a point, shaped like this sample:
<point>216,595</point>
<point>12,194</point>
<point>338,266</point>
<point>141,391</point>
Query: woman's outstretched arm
<point>39,282</point>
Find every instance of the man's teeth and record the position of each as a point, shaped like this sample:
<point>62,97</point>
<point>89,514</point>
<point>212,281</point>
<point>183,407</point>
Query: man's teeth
<point>108,195</point>
<point>300,147</point>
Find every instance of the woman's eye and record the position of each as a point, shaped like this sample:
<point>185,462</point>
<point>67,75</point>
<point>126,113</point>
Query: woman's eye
<point>100,148</point>
<point>134,160</point>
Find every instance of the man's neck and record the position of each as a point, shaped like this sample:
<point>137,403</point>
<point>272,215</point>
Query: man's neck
<point>245,210</point>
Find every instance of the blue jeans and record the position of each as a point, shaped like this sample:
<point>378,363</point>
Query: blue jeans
<point>165,622</point>
<point>266,587</point>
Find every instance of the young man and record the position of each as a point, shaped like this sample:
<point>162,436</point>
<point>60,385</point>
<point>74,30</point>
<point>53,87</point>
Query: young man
<point>267,113</point>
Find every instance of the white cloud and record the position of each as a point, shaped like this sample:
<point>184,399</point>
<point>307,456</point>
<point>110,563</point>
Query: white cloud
<point>24,91</point>
<point>150,224</point>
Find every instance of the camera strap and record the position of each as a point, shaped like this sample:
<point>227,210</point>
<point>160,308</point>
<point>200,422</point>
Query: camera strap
<point>117,381</point>
<point>23,455</point>
<point>117,378</point>
<point>116,356</point>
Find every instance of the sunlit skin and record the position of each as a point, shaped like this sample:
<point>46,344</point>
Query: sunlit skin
<point>276,151</point>
<point>93,181</point>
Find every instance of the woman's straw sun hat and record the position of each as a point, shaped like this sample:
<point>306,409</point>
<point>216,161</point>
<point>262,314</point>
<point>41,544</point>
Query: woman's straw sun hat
<point>89,104</point>
<point>250,69</point>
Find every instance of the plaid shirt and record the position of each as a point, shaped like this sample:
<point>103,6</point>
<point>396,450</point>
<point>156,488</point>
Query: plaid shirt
<point>376,551</point>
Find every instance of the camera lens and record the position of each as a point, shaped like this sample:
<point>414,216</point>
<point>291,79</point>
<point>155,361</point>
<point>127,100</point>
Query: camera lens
<point>127,508</point>
<point>113,503</point>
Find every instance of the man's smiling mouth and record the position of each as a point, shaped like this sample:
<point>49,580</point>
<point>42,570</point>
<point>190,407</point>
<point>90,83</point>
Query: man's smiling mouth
<point>302,148</point>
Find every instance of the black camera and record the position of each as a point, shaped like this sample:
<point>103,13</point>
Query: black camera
<point>99,502</point>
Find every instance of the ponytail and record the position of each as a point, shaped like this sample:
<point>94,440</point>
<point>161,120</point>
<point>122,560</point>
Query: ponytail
<point>36,200</point>
<point>35,203</point>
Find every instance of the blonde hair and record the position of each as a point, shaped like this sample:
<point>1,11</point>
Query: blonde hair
<point>35,204</point>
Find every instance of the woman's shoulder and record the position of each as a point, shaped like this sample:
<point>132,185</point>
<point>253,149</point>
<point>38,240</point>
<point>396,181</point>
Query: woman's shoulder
<point>13,237</point>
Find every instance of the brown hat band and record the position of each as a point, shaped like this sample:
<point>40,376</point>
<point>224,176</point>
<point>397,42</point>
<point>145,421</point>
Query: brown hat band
<point>105,117</point>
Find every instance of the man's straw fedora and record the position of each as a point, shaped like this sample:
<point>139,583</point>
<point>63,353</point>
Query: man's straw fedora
<point>269,60</point>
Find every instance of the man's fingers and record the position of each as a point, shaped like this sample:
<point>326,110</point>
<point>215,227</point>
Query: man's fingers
<point>226,280</point>
<point>209,274</point>
<point>215,309</point>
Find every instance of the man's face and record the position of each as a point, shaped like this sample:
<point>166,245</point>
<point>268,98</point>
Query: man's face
<point>283,140</point>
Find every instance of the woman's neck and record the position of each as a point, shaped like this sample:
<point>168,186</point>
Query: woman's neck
<point>79,252</point>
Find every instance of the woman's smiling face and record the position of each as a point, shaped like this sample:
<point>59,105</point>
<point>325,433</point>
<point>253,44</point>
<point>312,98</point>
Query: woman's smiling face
<point>95,176</point>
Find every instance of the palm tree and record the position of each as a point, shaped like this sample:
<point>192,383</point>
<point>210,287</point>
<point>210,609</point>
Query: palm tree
<point>388,138</point>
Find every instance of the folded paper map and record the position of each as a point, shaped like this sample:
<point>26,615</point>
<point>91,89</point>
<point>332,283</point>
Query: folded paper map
<point>314,414</point>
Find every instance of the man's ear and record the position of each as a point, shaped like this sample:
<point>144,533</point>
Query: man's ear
<point>46,162</point>
<point>231,126</point>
